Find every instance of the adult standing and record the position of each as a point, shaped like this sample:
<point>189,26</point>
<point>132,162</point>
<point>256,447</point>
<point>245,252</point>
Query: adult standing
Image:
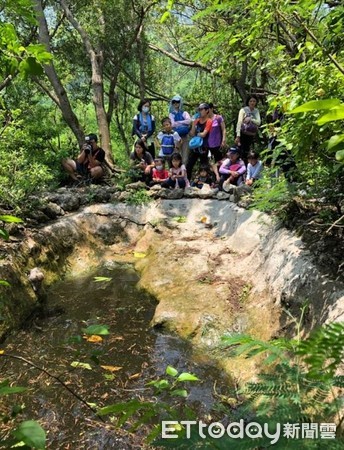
<point>217,135</point>
<point>200,127</point>
<point>181,121</point>
<point>247,126</point>
<point>144,125</point>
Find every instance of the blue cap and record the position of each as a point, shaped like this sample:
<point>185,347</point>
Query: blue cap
<point>176,98</point>
<point>233,150</point>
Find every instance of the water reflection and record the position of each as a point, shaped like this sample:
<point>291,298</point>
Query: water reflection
<point>131,355</point>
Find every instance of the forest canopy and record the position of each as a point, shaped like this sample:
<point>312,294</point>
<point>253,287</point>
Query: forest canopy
<point>71,67</point>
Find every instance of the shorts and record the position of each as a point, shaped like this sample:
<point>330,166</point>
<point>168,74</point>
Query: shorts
<point>81,168</point>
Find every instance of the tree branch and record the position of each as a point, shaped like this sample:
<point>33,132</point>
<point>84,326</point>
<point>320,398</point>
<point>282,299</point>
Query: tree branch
<point>181,61</point>
<point>47,91</point>
<point>56,378</point>
<point>316,40</point>
<point>6,82</point>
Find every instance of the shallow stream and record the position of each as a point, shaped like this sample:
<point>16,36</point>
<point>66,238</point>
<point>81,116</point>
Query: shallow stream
<point>132,354</point>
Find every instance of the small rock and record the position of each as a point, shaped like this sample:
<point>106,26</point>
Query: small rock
<point>222,195</point>
<point>136,186</point>
<point>156,187</point>
<point>171,194</point>
<point>53,210</point>
<point>124,196</point>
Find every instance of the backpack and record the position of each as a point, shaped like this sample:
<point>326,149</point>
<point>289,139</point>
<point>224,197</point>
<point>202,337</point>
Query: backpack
<point>167,144</point>
<point>182,130</point>
<point>248,128</point>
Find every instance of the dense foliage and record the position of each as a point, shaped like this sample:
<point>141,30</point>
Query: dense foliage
<point>71,67</point>
<point>60,57</point>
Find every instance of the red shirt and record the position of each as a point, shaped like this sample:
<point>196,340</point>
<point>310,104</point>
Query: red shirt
<point>160,174</point>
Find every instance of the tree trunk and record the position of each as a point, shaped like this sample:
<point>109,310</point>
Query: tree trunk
<point>62,100</point>
<point>97,62</point>
<point>141,56</point>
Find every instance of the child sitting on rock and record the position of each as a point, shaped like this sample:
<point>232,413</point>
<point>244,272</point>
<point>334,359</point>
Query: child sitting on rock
<point>204,176</point>
<point>159,173</point>
<point>177,174</point>
<point>254,168</point>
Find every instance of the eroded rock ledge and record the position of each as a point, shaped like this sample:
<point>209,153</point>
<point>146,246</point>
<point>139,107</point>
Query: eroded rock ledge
<point>214,267</point>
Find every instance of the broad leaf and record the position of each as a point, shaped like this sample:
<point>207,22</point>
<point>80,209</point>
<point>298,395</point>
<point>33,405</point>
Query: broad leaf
<point>30,67</point>
<point>316,105</point>
<point>180,393</point>
<point>340,156</point>
<point>81,365</point>
<point>335,141</point>
<point>112,368</point>
<point>7,218</point>
<point>131,406</point>
<point>31,433</point>
<point>101,330</point>
<point>335,114</point>
<point>4,234</point>
<point>4,283</point>
<point>185,376</point>
<point>5,389</point>
<point>171,371</point>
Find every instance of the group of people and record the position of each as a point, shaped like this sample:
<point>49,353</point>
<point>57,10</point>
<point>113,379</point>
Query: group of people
<point>184,140</point>
<point>181,142</point>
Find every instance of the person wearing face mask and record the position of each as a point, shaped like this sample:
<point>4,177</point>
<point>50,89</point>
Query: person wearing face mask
<point>144,125</point>
<point>181,123</point>
<point>159,173</point>
<point>247,126</point>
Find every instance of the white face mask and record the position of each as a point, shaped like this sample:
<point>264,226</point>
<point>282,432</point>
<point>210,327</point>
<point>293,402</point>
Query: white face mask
<point>145,109</point>
<point>159,167</point>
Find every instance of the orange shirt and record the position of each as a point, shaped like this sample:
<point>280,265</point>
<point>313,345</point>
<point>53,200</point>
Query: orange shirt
<point>208,124</point>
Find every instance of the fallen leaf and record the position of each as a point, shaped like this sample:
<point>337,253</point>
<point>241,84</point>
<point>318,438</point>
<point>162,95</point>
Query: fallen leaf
<point>112,368</point>
<point>135,375</point>
<point>93,338</point>
<point>2,352</point>
<point>203,219</point>
<point>118,338</point>
<point>78,364</point>
<point>139,255</point>
<point>100,279</point>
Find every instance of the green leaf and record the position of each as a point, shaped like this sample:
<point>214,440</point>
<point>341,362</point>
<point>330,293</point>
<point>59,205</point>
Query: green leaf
<point>30,67</point>
<point>31,433</point>
<point>340,156</point>
<point>159,384</point>
<point>165,17</point>
<point>335,114</point>
<point>100,330</point>
<point>335,141</point>
<point>4,283</point>
<point>180,393</point>
<point>13,219</point>
<point>256,55</point>
<point>5,389</point>
<point>100,279</point>
<point>171,371</point>
<point>185,376</point>
<point>130,406</point>
<point>316,105</point>
<point>4,234</point>
<point>78,364</point>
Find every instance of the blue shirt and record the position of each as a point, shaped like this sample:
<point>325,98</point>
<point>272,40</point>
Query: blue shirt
<point>254,171</point>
